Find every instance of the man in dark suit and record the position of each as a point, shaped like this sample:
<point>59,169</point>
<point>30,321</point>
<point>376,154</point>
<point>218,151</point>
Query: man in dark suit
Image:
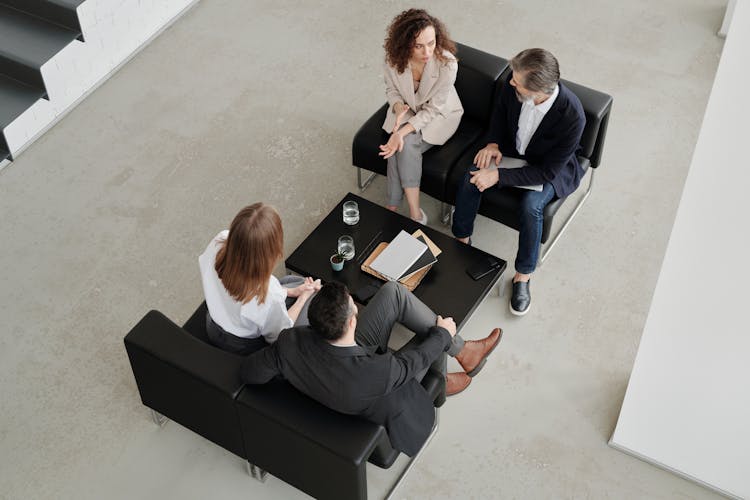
<point>539,120</point>
<point>344,363</point>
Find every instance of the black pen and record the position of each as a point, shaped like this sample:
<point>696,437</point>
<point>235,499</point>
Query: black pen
<point>366,251</point>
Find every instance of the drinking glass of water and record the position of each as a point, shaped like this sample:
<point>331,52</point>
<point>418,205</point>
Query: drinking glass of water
<point>346,247</point>
<point>351,212</point>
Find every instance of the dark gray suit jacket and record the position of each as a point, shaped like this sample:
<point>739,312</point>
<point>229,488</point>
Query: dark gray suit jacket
<point>356,380</point>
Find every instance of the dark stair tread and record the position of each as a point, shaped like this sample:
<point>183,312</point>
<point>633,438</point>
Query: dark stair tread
<point>68,4</point>
<point>29,40</point>
<point>35,5</point>
<point>15,98</point>
<point>61,12</point>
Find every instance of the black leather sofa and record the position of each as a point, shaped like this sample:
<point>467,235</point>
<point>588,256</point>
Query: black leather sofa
<point>274,427</point>
<point>478,82</point>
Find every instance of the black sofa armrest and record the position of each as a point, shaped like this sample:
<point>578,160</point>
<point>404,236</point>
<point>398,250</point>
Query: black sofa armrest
<point>434,383</point>
<point>597,106</point>
<point>301,442</point>
<point>366,140</point>
<point>191,382</point>
<point>159,336</point>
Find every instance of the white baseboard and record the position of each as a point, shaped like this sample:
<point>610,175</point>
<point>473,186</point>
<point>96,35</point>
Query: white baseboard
<point>676,472</point>
<point>4,163</point>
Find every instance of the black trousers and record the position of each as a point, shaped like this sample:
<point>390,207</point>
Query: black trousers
<point>244,346</point>
<point>232,343</point>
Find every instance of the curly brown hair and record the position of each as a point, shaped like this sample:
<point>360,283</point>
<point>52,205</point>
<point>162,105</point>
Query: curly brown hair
<point>405,28</point>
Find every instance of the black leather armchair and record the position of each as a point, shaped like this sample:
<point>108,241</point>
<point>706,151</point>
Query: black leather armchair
<point>475,83</point>
<point>274,427</point>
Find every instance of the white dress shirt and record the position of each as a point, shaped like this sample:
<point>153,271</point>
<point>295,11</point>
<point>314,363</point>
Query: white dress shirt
<point>530,118</point>
<point>249,320</point>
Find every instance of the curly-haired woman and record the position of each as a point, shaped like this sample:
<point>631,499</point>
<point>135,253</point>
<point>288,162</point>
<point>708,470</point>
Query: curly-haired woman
<point>424,108</point>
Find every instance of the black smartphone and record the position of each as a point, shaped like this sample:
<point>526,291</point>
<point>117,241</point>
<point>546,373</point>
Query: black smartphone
<point>482,268</point>
<point>364,293</point>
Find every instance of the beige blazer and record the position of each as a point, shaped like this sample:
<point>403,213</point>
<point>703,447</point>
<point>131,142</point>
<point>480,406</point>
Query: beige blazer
<point>435,109</point>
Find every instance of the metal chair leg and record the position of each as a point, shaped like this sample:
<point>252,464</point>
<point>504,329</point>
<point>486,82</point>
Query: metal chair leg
<point>403,474</point>
<point>363,186</point>
<point>256,472</point>
<point>499,288</point>
<point>446,214</point>
<point>548,247</point>
<point>159,419</point>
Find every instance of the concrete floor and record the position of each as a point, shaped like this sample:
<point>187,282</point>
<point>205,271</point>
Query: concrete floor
<point>103,219</point>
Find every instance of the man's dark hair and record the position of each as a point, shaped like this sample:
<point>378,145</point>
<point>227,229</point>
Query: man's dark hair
<point>541,67</point>
<point>329,311</point>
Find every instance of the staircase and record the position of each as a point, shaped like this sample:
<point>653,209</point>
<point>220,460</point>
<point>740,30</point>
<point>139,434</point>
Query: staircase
<point>53,53</point>
<point>31,33</point>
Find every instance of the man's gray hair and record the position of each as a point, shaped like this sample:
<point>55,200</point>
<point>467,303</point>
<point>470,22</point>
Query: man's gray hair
<point>541,68</point>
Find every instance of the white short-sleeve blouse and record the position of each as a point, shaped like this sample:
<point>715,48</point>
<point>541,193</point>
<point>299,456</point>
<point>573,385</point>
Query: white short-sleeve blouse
<point>249,320</point>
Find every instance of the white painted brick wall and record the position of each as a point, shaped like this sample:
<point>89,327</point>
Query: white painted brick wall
<point>114,30</point>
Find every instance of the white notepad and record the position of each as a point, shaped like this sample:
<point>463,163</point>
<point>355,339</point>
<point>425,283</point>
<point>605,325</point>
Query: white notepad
<point>398,256</point>
<point>510,162</point>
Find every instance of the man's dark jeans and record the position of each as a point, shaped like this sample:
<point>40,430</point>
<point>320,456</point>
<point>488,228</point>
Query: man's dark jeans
<point>531,217</point>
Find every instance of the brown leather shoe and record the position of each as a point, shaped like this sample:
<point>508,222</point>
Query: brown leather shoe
<point>456,382</point>
<point>474,354</point>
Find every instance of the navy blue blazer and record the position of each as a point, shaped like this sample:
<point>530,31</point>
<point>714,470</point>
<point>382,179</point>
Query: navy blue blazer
<point>356,380</point>
<point>551,153</point>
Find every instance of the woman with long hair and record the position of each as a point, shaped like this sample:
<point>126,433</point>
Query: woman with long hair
<point>247,305</point>
<point>424,108</point>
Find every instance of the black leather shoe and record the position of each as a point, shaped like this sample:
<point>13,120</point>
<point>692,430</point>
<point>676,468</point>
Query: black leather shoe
<point>521,299</point>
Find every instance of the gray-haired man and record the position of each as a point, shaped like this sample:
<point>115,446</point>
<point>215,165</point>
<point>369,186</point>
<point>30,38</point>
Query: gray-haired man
<point>541,121</point>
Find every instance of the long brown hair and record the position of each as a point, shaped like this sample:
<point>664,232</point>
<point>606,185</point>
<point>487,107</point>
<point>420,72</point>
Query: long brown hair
<point>255,244</point>
<point>405,28</point>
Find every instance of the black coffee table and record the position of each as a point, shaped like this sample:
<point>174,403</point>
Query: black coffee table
<point>446,288</point>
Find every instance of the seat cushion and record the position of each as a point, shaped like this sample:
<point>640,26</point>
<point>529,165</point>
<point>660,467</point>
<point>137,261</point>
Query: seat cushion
<point>196,325</point>
<point>436,162</point>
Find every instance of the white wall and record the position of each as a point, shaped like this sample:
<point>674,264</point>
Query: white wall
<point>687,406</point>
<point>114,30</point>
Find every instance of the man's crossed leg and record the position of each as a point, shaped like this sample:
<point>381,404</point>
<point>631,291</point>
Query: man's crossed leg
<point>395,304</point>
